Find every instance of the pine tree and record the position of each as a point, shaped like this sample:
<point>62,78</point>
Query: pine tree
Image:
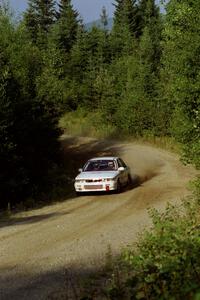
<point>152,28</point>
<point>150,55</point>
<point>39,18</point>
<point>68,24</point>
<point>125,27</point>
<point>31,23</point>
<point>126,14</point>
<point>147,11</point>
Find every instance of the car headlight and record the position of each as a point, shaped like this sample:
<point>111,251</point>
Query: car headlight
<point>79,181</point>
<point>108,179</point>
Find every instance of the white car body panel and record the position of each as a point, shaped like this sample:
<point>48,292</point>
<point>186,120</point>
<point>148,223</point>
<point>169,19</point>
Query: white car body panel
<point>97,175</point>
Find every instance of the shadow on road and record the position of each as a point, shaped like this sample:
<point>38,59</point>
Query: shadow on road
<point>29,219</point>
<point>65,283</point>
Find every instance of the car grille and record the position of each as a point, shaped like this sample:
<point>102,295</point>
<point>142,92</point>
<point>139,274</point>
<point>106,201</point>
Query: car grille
<point>93,187</point>
<point>93,180</point>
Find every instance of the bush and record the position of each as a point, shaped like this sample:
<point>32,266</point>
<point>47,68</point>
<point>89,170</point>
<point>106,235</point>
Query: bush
<point>166,263</point>
<point>85,123</point>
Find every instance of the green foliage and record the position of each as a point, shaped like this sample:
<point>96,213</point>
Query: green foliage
<point>9,161</point>
<point>127,87</point>
<point>28,123</point>
<point>133,97</point>
<point>165,263</point>
<point>89,57</point>
<point>82,123</point>
<point>39,18</point>
<point>67,25</point>
<point>182,68</point>
<point>127,15</point>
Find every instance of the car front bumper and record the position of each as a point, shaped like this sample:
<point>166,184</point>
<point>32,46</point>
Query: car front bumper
<point>95,187</point>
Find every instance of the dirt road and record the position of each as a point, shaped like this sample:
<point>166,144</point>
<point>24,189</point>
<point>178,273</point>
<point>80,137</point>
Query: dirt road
<point>37,247</point>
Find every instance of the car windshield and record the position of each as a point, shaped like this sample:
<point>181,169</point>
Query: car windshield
<point>100,165</point>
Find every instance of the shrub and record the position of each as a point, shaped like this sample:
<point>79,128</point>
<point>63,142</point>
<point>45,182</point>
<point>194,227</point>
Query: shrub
<point>166,263</point>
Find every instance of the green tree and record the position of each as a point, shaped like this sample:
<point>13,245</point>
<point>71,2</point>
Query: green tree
<point>89,55</point>
<point>68,24</point>
<point>39,18</point>
<point>181,74</point>
<point>138,79</point>
<point>126,14</point>
<point>11,174</point>
<point>28,123</point>
<point>153,28</point>
<point>123,32</point>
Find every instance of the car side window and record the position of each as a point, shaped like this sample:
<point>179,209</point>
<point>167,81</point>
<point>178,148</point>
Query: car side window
<point>122,163</point>
<point>119,163</point>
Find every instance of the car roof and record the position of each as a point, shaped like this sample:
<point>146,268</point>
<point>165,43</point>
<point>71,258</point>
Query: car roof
<point>105,158</point>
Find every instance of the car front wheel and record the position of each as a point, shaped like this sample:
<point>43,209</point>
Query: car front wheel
<point>129,180</point>
<point>119,187</point>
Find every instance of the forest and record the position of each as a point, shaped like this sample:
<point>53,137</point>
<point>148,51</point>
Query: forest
<point>142,77</point>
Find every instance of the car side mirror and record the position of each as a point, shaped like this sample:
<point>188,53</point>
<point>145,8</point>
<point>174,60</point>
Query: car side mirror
<point>121,169</point>
<point>80,170</point>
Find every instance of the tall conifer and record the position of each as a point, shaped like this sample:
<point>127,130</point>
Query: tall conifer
<point>39,17</point>
<point>152,28</point>
<point>123,24</point>
<point>126,14</point>
<point>67,25</point>
<point>147,11</point>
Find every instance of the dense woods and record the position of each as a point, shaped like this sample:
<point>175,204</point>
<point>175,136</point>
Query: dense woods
<point>142,77</point>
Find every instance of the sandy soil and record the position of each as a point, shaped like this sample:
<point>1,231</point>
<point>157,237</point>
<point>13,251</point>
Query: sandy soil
<point>37,247</point>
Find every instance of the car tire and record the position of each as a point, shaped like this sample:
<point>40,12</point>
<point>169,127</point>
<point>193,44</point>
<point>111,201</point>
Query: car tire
<point>78,194</point>
<point>130,180</point>
<point>119,187</point>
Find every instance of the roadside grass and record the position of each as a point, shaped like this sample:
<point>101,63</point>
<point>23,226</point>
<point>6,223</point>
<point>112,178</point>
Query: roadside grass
<point>83,123</point>
<point>87,124</point>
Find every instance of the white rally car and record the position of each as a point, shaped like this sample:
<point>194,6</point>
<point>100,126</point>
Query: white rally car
<point>103,174</point>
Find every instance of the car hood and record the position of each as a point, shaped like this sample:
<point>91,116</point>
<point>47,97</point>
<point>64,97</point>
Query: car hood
<point>97,175</point>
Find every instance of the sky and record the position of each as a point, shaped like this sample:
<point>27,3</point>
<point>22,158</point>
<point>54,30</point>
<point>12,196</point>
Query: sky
<point>89,10</point>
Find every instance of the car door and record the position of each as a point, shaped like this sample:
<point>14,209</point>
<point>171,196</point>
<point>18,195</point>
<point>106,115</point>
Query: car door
<point>123,174</point>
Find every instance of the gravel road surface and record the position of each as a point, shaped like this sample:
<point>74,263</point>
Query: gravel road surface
<point>37,247</point>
